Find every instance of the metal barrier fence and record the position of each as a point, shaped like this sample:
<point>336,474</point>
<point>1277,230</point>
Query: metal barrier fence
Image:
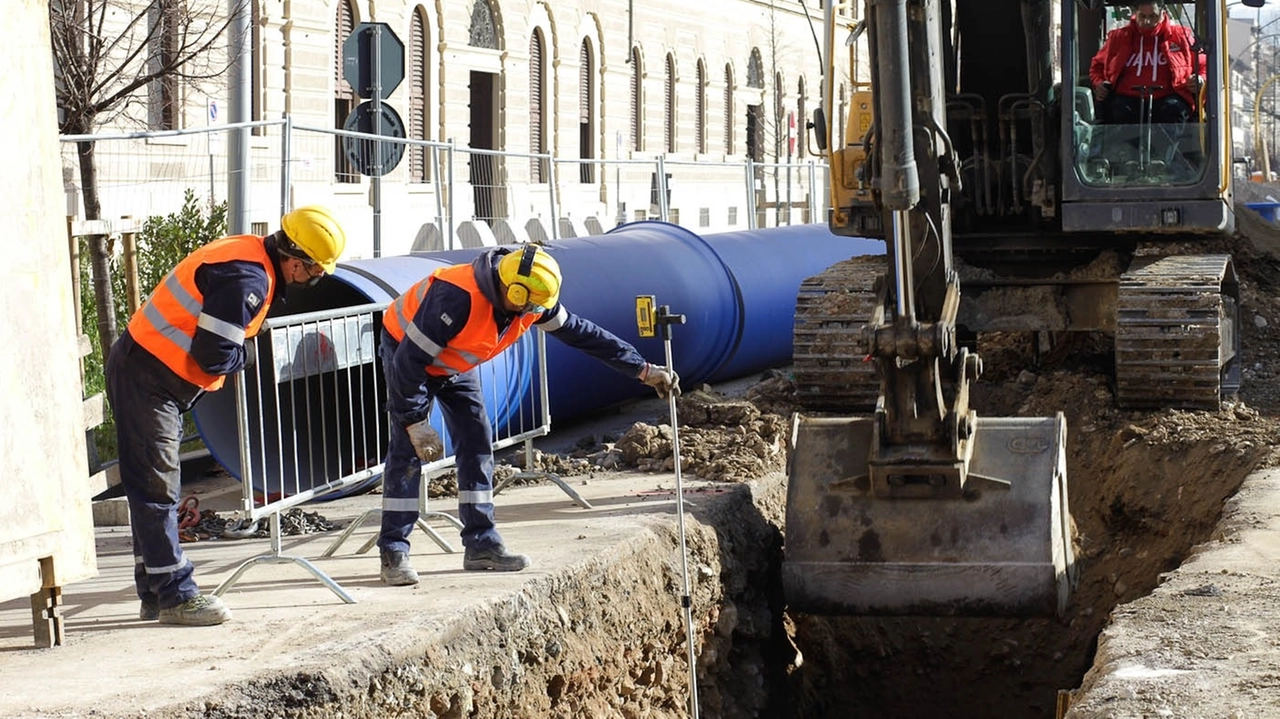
<point>440,195</point>
<point>142,174</point>
<point>311,421</point>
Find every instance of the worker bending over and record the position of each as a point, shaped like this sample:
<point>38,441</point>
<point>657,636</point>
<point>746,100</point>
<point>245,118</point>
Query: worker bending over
<point>183,342</point>
<point>433,338</point>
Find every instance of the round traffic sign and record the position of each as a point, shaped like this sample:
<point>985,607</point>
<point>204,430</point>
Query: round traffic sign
<point>366,154</point>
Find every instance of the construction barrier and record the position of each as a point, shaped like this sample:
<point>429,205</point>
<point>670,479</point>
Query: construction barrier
<point>311,421</point>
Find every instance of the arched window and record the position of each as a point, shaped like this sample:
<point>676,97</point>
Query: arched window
<point>637,116</point>
<point>728,109</point>
<point>419,79</point>
<point>755,70</point>
<point>344,97</point>
<point>700,110</point>
<point>483,31</point>
<point>586,113</point>
<point>669,106</point>
<point>537,108</point>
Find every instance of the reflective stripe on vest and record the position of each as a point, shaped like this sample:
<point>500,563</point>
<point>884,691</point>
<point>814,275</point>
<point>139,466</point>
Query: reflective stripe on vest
<point>476,343</point>
<point>167,323</point>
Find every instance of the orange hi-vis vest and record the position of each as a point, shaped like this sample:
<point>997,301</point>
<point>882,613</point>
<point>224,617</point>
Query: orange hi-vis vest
<point>167,323</point>
<point>478,341</point>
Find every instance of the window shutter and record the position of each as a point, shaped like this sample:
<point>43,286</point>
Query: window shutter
<point>536,144</point>
<point>636,136</point>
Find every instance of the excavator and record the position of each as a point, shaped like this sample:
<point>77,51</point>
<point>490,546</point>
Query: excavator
<point>967,136</point>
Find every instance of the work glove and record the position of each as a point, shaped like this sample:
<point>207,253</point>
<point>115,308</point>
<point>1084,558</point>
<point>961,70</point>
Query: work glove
<point>425,440</point>
<point>661,379</point>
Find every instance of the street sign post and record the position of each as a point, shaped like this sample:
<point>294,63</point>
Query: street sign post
<point>373,64</point>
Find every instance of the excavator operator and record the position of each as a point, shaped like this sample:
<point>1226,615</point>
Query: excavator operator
<point>1151,59</point>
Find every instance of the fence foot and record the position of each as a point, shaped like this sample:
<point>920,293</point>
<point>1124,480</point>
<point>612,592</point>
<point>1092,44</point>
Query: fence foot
<point>277,556</point>
<point>564,486</point>
<point>426,529</point>
<point>348,531</point>
<point>284,559</point>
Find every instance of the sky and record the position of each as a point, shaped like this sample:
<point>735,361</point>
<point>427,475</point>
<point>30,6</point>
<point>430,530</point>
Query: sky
<point>1269,13</point>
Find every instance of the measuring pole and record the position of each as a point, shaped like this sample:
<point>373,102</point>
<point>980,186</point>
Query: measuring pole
<point>661,320</point>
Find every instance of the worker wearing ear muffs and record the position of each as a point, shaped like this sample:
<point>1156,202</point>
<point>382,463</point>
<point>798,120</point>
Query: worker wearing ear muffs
<point>434,336</point>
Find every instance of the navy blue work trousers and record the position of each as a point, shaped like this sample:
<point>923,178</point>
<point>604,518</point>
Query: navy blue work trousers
<point>467,422</point>
<point>148,400</point>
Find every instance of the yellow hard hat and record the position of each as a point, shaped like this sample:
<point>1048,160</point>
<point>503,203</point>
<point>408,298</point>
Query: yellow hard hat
<point>532,277</point>
<point>316,232</point>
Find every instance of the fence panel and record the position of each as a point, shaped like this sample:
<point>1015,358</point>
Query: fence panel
<point>412,211</point>
<point>507,196</point>
<point>143,174</point>
<point>435,188</point>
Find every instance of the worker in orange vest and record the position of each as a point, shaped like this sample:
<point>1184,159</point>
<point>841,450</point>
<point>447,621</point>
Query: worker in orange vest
<point>181,343</point>
<point>433,337</point>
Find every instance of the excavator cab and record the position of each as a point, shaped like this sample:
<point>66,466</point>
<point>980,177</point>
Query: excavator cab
<point>1147,145</point>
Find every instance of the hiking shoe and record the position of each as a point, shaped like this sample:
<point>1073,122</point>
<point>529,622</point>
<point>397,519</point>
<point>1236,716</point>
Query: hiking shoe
<point>202,610</point>
<point>496,558</point>
<point>396,571</point>
<point>148,611</point>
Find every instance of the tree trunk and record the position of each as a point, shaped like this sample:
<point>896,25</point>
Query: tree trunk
<point>99,251</point>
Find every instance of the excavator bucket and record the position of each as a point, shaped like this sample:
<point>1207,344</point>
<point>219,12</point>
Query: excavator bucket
<point>1003,548</point>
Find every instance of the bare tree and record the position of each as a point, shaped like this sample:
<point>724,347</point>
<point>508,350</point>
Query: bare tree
<point>108,56</point>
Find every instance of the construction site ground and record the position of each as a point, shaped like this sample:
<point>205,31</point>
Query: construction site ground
<point>1177,516</point>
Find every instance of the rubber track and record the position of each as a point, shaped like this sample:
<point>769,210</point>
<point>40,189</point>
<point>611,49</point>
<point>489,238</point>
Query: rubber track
<point>829,352</point>
<point>1169,319</point>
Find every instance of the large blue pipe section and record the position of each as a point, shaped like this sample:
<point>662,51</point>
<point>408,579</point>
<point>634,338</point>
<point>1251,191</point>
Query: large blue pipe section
<point>737,291</point>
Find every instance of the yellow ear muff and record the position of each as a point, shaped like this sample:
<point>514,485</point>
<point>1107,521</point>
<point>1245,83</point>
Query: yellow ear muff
<point>518,292</point>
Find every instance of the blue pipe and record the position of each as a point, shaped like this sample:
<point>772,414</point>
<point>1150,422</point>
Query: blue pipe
<point>737,291</point>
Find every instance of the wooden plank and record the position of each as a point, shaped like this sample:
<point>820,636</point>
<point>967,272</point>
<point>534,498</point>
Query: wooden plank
<point>46,608</point>
<point>84,228</point>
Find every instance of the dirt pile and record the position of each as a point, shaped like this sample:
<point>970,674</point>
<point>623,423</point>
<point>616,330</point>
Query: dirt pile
<point>1257,191</point>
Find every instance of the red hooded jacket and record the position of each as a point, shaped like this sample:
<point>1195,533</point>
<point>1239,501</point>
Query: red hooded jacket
<point>1160,56</point>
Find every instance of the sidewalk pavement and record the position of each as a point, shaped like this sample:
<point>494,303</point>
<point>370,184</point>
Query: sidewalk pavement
<point>112,663</point>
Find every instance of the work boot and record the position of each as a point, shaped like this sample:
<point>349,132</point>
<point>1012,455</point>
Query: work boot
<point>202,610</point>
<point>496,558</point>
<point>396,571</point>
<point>148,611</point>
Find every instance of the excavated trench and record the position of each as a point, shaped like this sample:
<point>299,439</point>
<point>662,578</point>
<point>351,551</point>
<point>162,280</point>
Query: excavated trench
<point>1144,489</point>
